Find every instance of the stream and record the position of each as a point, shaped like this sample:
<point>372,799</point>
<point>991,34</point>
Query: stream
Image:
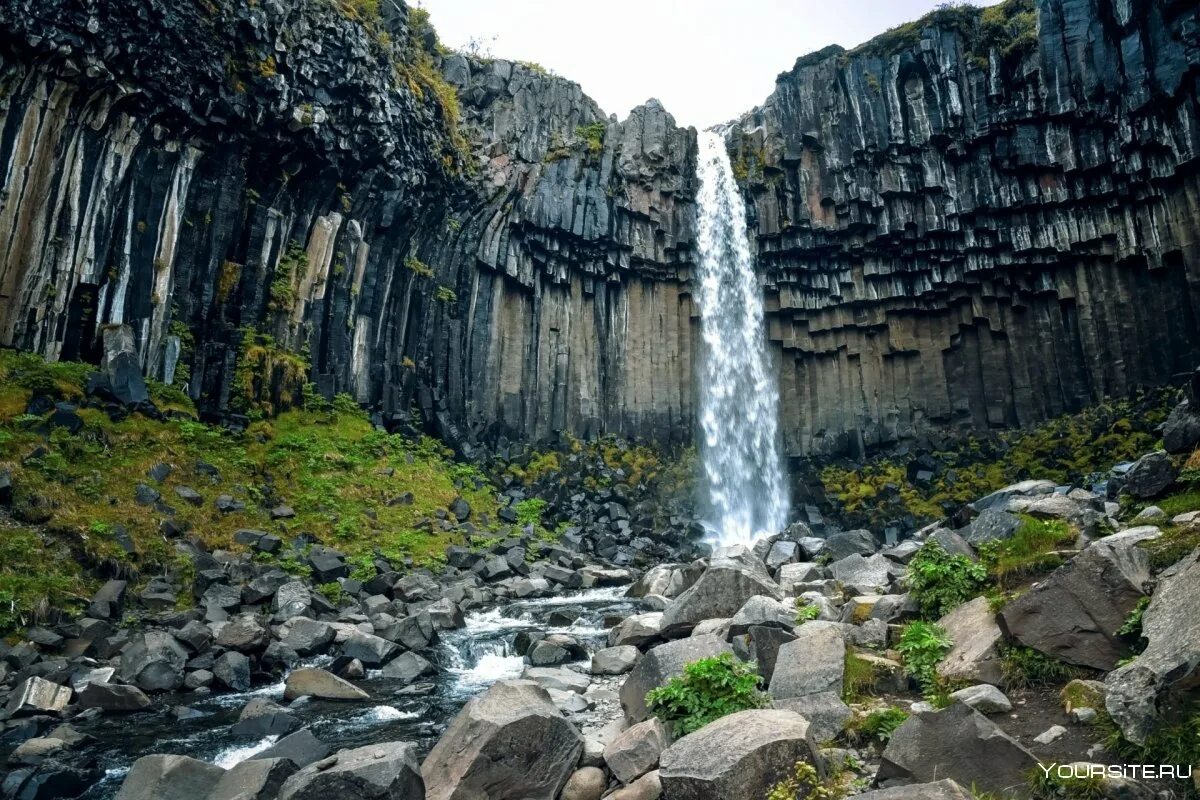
<point>469,660</point>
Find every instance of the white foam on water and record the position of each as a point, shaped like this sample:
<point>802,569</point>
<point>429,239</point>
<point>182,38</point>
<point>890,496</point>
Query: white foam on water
<point>232,756</point>
<point>386,714</point>
<point>492,667</point>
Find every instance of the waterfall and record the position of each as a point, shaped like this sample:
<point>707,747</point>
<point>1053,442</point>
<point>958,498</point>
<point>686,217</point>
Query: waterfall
<point>739,400</point>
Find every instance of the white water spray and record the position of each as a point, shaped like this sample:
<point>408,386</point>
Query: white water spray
<point>739,401</point>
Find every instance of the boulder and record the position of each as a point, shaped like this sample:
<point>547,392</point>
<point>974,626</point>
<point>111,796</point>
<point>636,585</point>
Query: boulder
<point>984,698</point>
<point>36,695</point>
<point>647,787</point>
<point>253,779</point>
<point>975,653</point>
<point>313,682</point>
<point>961,744</point>
<point>113,697</point>
<point>292,599</point>
<point>661,664</point>
<point>1074,614</point>
<point>121,365</point>
<point>636,751</point>
<point>723,589</point>
<point>636,630</point>
<point>407,667</point>
<point>153,661</point>
<point>309,637</point>
<point>737,757</point>
<point>232,669</point>
<point>801,572</point>
<point>301,748</point>
<point>1141,690</point>
<point>585,783</point>
<point>1181,431</point>
<point>764,644</point>
<point>387,771</point>
<point>614,660</point>
<point>814,662</point>
<point>1149,476</point>
<point>826,712</point>
<point>865,575</point>
<point>109,601</point>
<point>848,543</point>
<point>167,776</point>
<point>764,611</point>
<point>373,651</point>
<point>244,634</point>
<point>992,524</point>
<point>509,742</point>
<point>261,718</point>
<point>558,678</point>
<point>1000,497</point>
<point>938,790</point>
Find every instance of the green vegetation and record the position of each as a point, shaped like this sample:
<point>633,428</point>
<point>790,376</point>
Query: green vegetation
<point>1133,623</point>
<point>420,70</point>
<point>858,678</point>
<point>939,581</point>
<point>709,689</point>
<point>529,512</point>
<point>1180,502</point>
<point>805,784</point>
<point>1024,667</point>
<point>879,724</point>
<point>1051,786</point>
<point>1064,450</point>
<point>922,645</point>
<point>445,294</point>
<point>592,136</point>
<point>1031,550</point>
<point>1174,544</point>
<point>806,611</point>
<point>268,378</point>
<point>1175,740</point>
<point>418,267</point>
<point>1010,28</point>
<point>325,460</point>
<point>293,262</point>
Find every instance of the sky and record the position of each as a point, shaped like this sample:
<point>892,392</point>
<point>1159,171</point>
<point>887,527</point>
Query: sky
<point>708,61</point>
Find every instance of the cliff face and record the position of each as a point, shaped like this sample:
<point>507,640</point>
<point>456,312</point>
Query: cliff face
<point>965,223</point>
<point>980,223</point>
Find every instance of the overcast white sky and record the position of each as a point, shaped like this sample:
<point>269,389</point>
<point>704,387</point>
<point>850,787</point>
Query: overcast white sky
<point>707,61</point>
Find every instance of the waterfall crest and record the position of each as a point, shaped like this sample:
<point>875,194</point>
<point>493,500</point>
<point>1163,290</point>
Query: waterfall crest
<point>739,399</point>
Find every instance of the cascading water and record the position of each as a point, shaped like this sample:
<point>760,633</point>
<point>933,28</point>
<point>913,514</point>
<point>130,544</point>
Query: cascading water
<point>739,401</point>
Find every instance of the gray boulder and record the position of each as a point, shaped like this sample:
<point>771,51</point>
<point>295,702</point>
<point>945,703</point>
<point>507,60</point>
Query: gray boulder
<point>636,630</point>
<point>232,669</point>
<point>961,744</point>
<point>1181,431</point>
<point>109,601</point>
<point>36,695</point>
<point>826,712</point>
<point>661,664</point>
<point>244,634</point>
<point>253,779</point>
<point>301,748</point>
<point>991,525</point>
<point>121,365</point>
<point>1074,614</point>
<point>723,589</point>
<point>975,653</point>
<point>763,646</point>
<point>153,661</point>
<point>764,611</point>
<point>509,742</point>
<point>636,751</point>
<point>166,776</point>
<point>614,660</point>
<point>113,697</point>
<point>313,682</point>
<point>1149,476</point>
<point>938,790</point>
<point>737,757</point>
<point>407,667</point>
<point>261,718</point>
<point>814,662</point>
<point>373,651</point>
<point>384,771</point>
<point>1139,691</point>
<point>864,575</point>
<point>1000,497</point>
<point>848,543</point>
<point>984,698</point>
<point>585,783</point>
<point>309,637</point>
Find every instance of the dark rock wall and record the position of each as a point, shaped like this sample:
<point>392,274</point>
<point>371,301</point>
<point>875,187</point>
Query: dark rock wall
<point>956,239</point>
<point>950,237</point>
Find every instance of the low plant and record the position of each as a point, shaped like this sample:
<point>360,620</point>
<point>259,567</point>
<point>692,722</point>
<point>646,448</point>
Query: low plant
<point>940,581</point>
<point>332,592</point>
<point>804,783</point>
<point>1133,623</point>
<point>858,678</point>
<point>879,724</point>
<point>806,611</point>
<point>922,645</point>
<point>1025,667</point>
<point>710,688</point>
<point>1048,785</point>
<point>1031,550</point>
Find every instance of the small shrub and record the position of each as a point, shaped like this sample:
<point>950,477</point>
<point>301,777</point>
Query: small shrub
<point>332,591</point>
<point>939,581</point>
<point>921,646</point>
<point>1024,667</point>
<point>1031,550</point>
<point>445,294</point>
<point>858,678</point>
<point>592,136</point>
<point>1052,786</point>
<point>529,512</point>
<point>879,724</point>
<point>1133,623</point>
<point>806,611</point>
<point>805,784</point>
<point>709,689</point>
<point>418,267</point>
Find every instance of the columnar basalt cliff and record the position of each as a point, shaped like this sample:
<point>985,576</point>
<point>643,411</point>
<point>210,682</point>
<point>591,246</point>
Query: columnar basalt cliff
<point>969,222</point>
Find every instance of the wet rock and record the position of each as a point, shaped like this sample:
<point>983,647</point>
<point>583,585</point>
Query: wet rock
<point>232,669</point>
<point>153,661</point>
<point>373,651</point>
<point>253,779</point>
<point>244,634</point>
<point>1074,614</point>
<point>509,742</point>
<point>957,743</point>
<point>301,748</point>
<point>386,770</point>
<point>659,665</point>
<point>614,660</point>
<point>406,668</point>
<point>313,682</point>
<point>738,757</point>
<point>261,718</point>
<point>975,653</point>
<point>636,751</point>
<point>309,637</point>
<point>36,695</point>
<point>113,697</point>
<point>162,776</point>
<point>1139,692</point>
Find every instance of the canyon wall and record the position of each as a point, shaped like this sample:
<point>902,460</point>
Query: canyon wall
<point>957,227</point>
